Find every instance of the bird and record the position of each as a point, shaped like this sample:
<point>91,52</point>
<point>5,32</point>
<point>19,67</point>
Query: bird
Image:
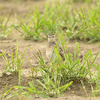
<point>52,43</point>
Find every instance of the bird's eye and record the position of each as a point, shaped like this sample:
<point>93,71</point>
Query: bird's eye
<point>53,36</point>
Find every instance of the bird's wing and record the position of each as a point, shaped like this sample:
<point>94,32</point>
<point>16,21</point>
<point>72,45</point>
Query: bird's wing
<point>61,52</point>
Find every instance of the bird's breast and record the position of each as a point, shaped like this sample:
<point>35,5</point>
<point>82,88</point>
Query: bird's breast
<point>50,54</point>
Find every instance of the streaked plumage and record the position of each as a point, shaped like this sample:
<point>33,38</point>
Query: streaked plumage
<point>50,54</point>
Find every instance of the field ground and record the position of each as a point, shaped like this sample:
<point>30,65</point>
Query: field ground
<point>8,45</point>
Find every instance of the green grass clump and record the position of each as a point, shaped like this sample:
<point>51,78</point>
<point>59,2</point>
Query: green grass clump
<point>4,29</point>
<point>96,89</point>
<point>57,18</point>
<point>58,75</point>
<point>73,69</point>
<point>88,25</point>
<point>13,65</point>
<point>48,22</point>
<point>5,93</point>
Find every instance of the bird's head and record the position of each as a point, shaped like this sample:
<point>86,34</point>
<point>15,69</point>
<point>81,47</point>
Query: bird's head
<point>52,38</point>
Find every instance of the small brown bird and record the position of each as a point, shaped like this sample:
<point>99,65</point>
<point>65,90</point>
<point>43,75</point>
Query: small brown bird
<point>50,54</point>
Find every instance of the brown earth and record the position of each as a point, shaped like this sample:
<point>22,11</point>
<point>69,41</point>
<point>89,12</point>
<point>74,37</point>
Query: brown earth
<point>8,45</point>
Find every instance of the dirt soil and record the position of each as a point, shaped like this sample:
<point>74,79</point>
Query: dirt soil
<point>8,45</point>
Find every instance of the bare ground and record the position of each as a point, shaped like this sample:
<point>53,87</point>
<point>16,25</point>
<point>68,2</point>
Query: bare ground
<point>75,92</point>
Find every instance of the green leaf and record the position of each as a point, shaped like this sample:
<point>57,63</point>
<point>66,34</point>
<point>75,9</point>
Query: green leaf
<point>64,87</point>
